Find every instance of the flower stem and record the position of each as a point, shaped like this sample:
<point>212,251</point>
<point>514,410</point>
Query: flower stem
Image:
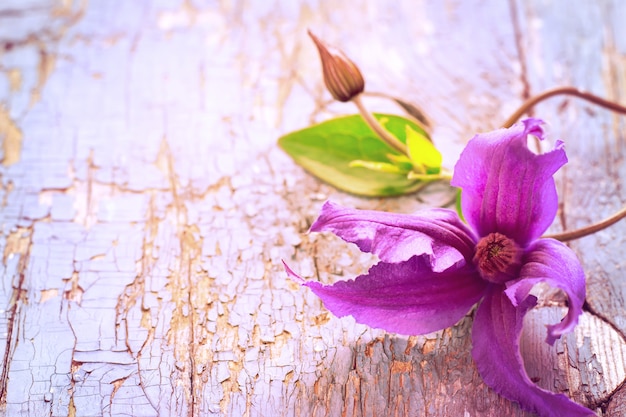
<point>587,230</point>
<point>571,91</point>
<point>387,137</point>
<point>412,111</point>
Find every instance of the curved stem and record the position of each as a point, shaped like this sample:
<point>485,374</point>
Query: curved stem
<point>378,128</point>
<point>413,112</point>
<point>587,230</point>
<point>571,91</point>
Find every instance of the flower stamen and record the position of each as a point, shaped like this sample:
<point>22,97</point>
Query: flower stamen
<point>497,257</point>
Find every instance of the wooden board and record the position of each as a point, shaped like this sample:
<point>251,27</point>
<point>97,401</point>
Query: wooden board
<point>146,207</point>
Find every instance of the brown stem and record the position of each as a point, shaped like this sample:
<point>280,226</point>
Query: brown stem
<point>412,111</point>
<point>587,230</point>
<point>571,91</point>
<point>378,128</point>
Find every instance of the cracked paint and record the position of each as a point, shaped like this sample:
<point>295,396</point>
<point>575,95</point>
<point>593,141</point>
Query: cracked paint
<point>15,79</point>
<point>146,210</point>
<point>11,138</point>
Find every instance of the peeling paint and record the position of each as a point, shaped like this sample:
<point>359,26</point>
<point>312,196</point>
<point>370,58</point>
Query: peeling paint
<point>48,294</point>
<point>11,138</point>
<point>15,79</point>
<point>146,215</point>
<point>46,67</point>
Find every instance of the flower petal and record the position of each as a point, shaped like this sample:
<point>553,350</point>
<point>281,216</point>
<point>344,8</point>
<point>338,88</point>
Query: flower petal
<point>550,261</point>
<point>397,237</point>
<point>507,188</point>
<point>495,338</point>
<point>407,297</point>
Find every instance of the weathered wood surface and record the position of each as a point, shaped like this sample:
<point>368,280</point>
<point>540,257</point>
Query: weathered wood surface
<point>146,208</point>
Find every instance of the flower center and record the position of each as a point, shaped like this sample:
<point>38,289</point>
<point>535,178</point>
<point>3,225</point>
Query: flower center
<point>498,258</point>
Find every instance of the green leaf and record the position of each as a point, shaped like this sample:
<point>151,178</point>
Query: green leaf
<point>425,157</point>
<point>457,204</point>
<point>424,177</point>
<point>402,161</point>
<point>377,166</point>
<point>327,149</point>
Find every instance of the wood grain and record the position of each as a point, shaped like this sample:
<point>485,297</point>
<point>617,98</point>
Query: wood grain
<point>146,207</point>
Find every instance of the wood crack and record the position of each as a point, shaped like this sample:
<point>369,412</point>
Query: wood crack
<point>20,243</point>
<point>163,207</point>
<point>519,36</point>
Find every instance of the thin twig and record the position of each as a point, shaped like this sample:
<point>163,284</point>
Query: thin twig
<point>378,128</point>
<point>570,91</point>
<point>587,230</point>
<point>413,112</point>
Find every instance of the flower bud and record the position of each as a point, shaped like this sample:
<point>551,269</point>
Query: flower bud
<point>341,76</point>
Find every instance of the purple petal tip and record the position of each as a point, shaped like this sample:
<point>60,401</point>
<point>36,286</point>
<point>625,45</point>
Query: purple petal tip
<point>292,274</point>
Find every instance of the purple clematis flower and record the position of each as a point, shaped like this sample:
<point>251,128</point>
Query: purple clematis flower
<point>433,268</point>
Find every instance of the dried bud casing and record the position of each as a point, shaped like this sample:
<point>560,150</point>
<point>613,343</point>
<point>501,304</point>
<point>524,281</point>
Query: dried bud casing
<point>341,76</point>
